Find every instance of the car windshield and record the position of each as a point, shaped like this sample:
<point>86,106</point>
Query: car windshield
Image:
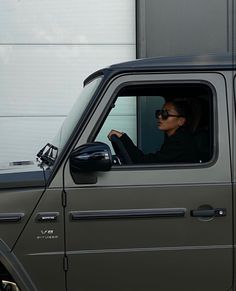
<point>50,151</point>
<point>75,114</point>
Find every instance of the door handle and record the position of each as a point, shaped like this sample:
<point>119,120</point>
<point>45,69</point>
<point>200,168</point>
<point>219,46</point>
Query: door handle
<point>215,212</point>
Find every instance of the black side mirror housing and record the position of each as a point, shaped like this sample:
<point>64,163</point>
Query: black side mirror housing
<point>91,157</point>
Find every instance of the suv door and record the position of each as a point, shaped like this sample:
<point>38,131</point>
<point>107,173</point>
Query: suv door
<point>148,239</point>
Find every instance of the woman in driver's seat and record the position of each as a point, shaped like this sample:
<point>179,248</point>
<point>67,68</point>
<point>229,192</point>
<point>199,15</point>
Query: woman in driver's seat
<point>178,146</point>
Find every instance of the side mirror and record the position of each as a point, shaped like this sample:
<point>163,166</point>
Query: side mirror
<point>91,157</point>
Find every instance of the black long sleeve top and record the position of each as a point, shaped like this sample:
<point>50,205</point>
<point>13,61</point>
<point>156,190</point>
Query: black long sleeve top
<point>177,148</point>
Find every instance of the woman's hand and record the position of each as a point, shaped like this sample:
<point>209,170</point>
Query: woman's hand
<point>115,132</point>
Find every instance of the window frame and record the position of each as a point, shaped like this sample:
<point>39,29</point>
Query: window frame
<point>217,171</point>
<point>213,124</point>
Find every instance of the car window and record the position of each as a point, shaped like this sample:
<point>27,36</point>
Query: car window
<point>147,137</point>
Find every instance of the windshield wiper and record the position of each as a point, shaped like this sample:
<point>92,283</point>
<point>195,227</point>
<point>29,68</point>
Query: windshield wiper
<point>48,154</point>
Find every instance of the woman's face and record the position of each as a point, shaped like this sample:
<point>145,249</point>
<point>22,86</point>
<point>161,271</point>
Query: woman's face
<point>172,123</point>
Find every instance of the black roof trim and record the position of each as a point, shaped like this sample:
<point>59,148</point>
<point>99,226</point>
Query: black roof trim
<point>93,76</point>
<point>180,63</point>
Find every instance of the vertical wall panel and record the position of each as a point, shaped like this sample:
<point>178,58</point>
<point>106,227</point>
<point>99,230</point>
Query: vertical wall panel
<point>71,21</point>
<point>47,48</point>
<point>184,27</point>
<point>234,45</point>
<point>45,80</point>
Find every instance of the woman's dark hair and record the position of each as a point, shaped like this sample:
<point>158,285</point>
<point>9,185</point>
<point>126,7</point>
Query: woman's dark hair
<point>183,109</point>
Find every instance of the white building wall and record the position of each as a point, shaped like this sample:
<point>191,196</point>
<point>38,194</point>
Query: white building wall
<point>47,48</point>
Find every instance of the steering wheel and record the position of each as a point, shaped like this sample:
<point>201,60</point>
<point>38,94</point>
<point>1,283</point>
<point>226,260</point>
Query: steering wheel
<point>120,150</point>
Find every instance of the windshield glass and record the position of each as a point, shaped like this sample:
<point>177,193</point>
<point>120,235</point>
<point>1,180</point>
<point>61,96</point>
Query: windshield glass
<point>75,114</point>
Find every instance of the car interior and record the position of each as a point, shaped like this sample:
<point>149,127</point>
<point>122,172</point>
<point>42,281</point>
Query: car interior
<point>134,109</point>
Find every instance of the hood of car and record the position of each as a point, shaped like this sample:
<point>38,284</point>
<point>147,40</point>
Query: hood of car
<point>21,174</point>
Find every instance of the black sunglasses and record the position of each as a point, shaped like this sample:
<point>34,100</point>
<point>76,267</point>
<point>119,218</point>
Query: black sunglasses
<point>165,114</point>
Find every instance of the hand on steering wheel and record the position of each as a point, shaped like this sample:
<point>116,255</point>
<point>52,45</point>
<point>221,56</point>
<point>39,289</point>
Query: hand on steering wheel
<point>120,149</point>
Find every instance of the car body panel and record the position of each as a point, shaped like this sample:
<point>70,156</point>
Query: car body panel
<point>133,252</point>
<point>40,247</point>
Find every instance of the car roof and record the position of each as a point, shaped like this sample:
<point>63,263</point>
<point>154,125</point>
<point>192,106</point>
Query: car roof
<point>177,63</point>
<point>180,62</point>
